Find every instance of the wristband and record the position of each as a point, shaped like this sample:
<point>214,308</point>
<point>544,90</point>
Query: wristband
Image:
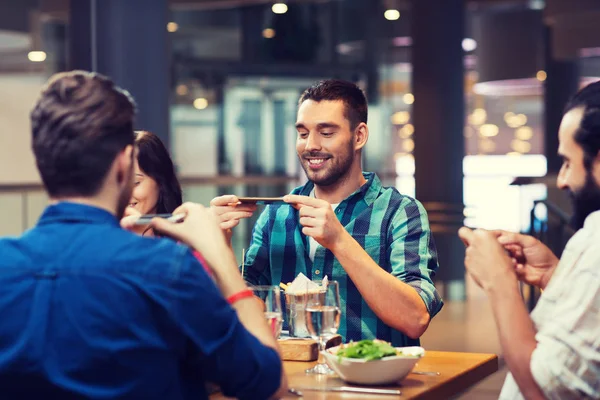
<point>242,294</point>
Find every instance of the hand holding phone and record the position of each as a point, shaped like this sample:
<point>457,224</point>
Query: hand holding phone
<point>261,200</point>
<point>145,219</point>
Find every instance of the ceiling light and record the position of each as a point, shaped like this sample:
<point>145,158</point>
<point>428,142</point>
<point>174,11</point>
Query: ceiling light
<point>469,44</point>
<point>172,27</point>
<point>200,103</point>
<point>406,131</point>
<point>182,90</point>
<point>489,130</point>
<point>268,33</point>
<point>536,4</point>
<point>408,98</point>
<point>541,76</point>
<point>400,117</point>
<point>408,145</point>
<point>391,14</point>
<point>279,8</point>
<point>524,133</point>
<point>478,116</point>
<point>520,146</point>
<point>36,56</point>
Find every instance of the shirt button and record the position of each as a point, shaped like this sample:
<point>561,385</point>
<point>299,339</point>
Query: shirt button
<point>317,272</point>
<point>337,211</point>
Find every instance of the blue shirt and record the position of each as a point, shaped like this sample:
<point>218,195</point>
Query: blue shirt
<point>392,228</point>
<point>88,310</point>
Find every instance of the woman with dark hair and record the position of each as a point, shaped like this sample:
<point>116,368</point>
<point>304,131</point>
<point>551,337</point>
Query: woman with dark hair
<point>157,189</point>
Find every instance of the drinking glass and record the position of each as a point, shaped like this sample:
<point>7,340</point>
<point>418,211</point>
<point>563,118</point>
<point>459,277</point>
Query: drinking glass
<point>271,298</point>
<point>323,320</point>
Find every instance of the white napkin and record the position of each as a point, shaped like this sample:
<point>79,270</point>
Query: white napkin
<point>302,284</point>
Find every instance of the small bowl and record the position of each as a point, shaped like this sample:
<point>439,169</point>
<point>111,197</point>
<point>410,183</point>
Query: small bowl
<point>376,372</point>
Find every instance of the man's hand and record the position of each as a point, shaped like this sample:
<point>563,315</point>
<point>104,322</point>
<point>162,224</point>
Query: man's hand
<point>317,219</point>
<point>534,263</point>
<point>230,211</point>
<point>200,230</point>
<point>130,216</point>
<point>485,259</point>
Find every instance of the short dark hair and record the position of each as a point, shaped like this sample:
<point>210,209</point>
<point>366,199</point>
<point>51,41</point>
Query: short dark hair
<point>80,123</point>
<point>154,160</point>
<point>355,102</point>
<point>588,133</point>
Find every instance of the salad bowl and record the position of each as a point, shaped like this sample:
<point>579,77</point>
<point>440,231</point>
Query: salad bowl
<point>370,365</point>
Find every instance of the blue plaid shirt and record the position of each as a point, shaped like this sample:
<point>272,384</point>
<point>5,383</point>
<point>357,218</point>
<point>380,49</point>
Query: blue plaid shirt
<point>392,228</point>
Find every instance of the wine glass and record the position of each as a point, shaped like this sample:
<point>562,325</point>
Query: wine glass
<point>323,320</point>
<point>271,298</point>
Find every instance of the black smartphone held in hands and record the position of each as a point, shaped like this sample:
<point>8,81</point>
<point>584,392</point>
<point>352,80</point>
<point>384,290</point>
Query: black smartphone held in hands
<point>261,200</point>
<point>145,219</point>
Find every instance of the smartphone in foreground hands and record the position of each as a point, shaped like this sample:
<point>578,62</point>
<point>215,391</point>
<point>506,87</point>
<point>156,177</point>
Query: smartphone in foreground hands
<point>145,219</point>
<point>260,200</point>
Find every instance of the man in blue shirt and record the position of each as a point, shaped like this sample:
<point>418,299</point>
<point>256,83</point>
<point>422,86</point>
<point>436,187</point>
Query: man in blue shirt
<point>90,310</point>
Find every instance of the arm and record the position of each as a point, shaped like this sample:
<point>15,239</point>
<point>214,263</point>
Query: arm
<point>234,343</point>
<point>256,263</point>
<point>517,335</point>
<point>406,299</point>
<point>397,303</point>
<point>491,268</point>
<point>201,230</point>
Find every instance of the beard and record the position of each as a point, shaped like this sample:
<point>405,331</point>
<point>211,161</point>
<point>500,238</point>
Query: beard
<point>125,195</point>
<point>338,166</point>
<point>585,201</point>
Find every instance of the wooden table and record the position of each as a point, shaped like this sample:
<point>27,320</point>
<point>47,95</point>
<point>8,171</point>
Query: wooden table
<point>458,371</point>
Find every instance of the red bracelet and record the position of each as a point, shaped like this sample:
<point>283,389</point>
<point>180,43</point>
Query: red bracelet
<point>242,294</point>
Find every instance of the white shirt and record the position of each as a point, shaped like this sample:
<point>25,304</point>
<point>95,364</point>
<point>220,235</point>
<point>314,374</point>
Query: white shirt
<point>566,361</point>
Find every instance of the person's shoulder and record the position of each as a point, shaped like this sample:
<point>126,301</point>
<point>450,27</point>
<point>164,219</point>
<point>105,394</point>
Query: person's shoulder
<point>150,256</point>
<point>398,200</point>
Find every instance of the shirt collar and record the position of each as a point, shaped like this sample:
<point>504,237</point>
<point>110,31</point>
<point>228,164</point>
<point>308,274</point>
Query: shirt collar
<point>368,191</point>
<point>65,211</point>
<point>592,220</point>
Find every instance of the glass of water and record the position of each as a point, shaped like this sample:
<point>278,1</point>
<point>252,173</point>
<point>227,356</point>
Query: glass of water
<point>323,320</point>
<point>270,297</point>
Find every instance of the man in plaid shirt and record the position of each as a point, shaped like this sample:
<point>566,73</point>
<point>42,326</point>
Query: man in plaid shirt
<point>345,225</point>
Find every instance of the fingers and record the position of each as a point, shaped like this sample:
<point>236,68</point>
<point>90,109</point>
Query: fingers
<point>308,221</point>
<point>307,211</point>
<point>185,208</point>
<point>295,199</point>
<point>130,211</point>
<point>227,225</point>
<point>234,215</point>
<point>129,222</point>
<point>228,199</point>
<point>466,235</point>
<point>165,227</point>
<point>517,239</point>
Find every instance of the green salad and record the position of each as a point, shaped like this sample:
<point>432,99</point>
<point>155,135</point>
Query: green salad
<point>367,350</point>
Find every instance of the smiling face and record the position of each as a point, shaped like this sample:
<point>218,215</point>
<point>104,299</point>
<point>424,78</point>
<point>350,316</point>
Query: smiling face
<point>325,142</point>
<point>145,192</point>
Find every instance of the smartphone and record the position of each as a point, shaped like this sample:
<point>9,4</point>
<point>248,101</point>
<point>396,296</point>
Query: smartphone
<point>145,219</point>
<point>261,200</point>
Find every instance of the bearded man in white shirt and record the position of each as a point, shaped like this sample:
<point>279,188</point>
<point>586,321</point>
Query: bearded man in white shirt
<point>555,352</point>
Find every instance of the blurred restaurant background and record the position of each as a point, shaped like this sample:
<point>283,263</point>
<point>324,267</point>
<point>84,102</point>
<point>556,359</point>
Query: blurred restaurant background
<point>465,99</point>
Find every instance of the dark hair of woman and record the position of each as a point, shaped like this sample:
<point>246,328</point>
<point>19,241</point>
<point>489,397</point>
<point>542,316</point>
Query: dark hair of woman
<point>154,160</point>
